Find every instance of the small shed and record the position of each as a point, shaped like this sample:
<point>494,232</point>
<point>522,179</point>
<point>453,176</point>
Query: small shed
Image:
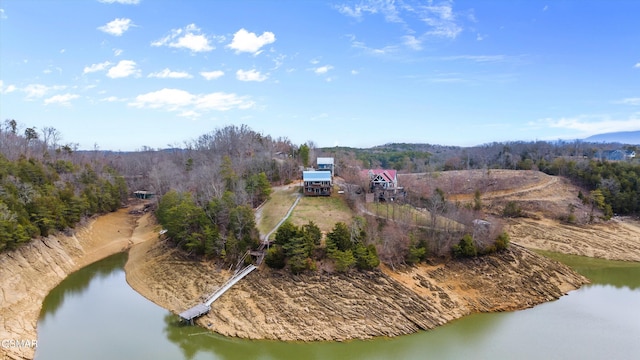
<point>142,194</point>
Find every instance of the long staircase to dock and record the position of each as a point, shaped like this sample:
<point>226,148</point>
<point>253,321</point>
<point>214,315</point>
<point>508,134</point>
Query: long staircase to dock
<point>204,307</point>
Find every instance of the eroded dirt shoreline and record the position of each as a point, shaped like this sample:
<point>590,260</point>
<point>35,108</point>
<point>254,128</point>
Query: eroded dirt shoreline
<point>277,305</point>
<point>29,273</point>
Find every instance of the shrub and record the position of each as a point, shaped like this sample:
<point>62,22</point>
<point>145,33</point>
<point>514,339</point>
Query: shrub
<point>344,260</point>
<point>465,248</point>
<point>275,257</point>
<point>416,254</point>
<point>366,257</point>
<point>512,210</point>
<point>502,241</point>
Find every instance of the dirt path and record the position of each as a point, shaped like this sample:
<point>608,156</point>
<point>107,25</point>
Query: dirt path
<point>545,182</point>
<point>266,237</point>
<point>30,272</point>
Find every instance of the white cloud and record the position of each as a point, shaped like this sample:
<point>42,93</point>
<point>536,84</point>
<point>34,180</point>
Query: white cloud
<point>50,69</point>
<point>170,99</point>
<point>244,41</point>
<point>354,72</point>
<point>188,104</point>
<point>2,14</point>
<point>250,75</point>
<point>96,67</point>
<point>437,19</point>
<point>117,52</point>
<point>384,51</point>
<point>545,8</point>
<point>124,68</point>
<point>222,102</point>
<point>116,27</point>
<point>637,66</point>
<point>111,99</point>
<point>126,2</point>
<point>39,90</point>
<point>322,69</point>
<point>388,9</point>
<point>189,114</point>
<point>412,42</point>
<point>629,101</point>
<point>168,74</point>
<point>8,89</point>
<point>212,75</point>
<point>442,20</point>
<point>190,37</point>
<point>64,99</point>
<point>587,125</point>
<point>476,58</point>
<point>354,12</point>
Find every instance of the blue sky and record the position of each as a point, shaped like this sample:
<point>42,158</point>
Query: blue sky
<point>122,74</point>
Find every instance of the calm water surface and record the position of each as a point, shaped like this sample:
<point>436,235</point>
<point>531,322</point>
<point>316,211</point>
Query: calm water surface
<point>94,314</point>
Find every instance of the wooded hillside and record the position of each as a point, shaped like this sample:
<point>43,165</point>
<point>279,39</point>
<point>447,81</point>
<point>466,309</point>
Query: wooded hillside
<point>47,187</point>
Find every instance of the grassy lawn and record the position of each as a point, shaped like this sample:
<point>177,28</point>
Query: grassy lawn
<point>324,211</point>
<point>327,211</point>
<point>276,208</point>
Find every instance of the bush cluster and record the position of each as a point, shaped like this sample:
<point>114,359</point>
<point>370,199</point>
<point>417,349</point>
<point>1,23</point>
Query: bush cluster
<point>300,247</point>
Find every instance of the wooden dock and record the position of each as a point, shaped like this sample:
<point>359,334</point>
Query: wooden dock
<point>194,312</point>
<point>203,308</point>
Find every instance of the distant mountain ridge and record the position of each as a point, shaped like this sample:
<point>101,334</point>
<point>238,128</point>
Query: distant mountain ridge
<point>623,137</point>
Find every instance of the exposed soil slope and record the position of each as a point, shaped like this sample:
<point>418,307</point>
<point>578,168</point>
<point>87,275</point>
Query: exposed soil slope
<point>544,199</point>
<point>616,239</point>
<point>277,305</point>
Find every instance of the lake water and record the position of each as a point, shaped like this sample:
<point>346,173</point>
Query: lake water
<point>94,314</point>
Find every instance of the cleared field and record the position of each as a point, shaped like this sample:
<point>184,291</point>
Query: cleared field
<point>409,215</point>
<point>276,207</point>
<point>324,211</point>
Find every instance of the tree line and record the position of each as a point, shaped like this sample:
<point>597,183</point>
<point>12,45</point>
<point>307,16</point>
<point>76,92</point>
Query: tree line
<point>301,249</point>
<point>618,182</point>
<point>45,187</point>
<point>580,161</point>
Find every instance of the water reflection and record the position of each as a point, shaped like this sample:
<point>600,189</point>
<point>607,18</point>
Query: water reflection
<point>76,283</point>
<point>621,274</point>
<point>198,343</point>
<point>95,314</point>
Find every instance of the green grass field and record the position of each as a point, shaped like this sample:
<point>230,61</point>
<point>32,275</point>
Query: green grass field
<point>276,208</point>
<point>324,211</point>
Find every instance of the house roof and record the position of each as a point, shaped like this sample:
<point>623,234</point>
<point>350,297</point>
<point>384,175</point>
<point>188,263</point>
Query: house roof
<point>387,175</point>
<point>316,176</point>
<point>324,161</point>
